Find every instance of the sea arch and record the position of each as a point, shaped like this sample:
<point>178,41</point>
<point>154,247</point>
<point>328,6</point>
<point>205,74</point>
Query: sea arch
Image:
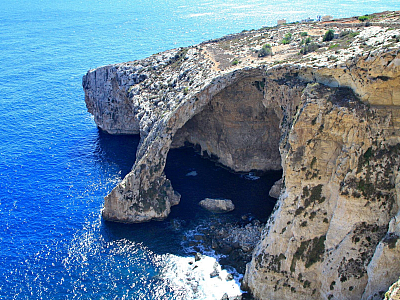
<point>241,119</point>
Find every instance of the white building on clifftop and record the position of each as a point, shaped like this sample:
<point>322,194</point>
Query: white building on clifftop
<point>326,18</point>
<point>281,22</point>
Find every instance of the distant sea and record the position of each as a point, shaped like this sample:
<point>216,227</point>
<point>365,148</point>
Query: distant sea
<point>56,166</point>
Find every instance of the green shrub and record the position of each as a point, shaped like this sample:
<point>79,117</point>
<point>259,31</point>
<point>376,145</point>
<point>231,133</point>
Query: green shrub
<point>309,48</point>
<point>306,41</point>
<point>235,62</point>
<point>265,51</point>
<point>333,46</point>
<point>349,33</point>
<point>303,224</point>
<point>364,18</point>
<point>303,33</point>
<point>329,35</point>
<point>313,162</point>
<point>287,38</point>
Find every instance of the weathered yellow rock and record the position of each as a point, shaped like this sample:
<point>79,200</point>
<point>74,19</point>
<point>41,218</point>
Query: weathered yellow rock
<point>332,219</point>
<point>394,292</point>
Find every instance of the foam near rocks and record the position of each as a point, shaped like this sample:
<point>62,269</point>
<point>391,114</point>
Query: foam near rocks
<point>201,279</point>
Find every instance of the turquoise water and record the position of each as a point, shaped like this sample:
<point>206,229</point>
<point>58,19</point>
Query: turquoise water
<point>56,167</point>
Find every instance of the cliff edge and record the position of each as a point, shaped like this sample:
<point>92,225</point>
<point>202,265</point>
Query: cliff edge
<point>320,101</point>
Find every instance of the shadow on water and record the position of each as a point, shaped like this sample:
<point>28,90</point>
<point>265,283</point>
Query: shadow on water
<point>118,150</point>
<point>195,178</point>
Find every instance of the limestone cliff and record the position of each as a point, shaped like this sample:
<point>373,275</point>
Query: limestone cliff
<point>341,160</point>
<point>394,291</point>
<point>328,116</point>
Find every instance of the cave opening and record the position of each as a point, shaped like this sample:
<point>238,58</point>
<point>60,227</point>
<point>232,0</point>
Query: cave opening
<point>240,137</point>
<point>196,178</point>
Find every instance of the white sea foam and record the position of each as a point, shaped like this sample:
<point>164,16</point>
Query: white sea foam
<point>193,173</point>
<point>250,176</point>
<point>199,15</point>
<point>194,278</point>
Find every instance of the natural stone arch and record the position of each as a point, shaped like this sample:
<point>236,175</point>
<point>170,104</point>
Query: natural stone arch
<point>146,193</point>
<point>321,181</point>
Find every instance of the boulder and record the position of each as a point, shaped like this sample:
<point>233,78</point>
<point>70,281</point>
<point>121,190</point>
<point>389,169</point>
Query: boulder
<point>275,191</point>
<point>217,205</point>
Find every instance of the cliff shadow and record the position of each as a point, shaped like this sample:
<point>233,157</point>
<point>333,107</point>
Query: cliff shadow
<point>197,177</point>
<point>117,150</point>
<point>240,138</point>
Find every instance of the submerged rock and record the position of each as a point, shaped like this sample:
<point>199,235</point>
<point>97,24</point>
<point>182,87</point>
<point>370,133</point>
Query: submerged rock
<point>197,256</point>
<point>225,297</point>
<point>217,205</point>
<point>235,241</point>
<point>229,277</point>
<point>216,269</point>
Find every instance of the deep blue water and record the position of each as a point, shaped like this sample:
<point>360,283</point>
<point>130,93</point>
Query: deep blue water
<point>56,167</point>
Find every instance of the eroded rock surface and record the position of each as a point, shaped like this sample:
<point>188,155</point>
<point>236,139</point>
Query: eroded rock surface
<point>235,128</point>
<point>275,191</point>
<point>394,292</point>
<point>217,205</point>
<point>329,118</point>
<point>333,219</point>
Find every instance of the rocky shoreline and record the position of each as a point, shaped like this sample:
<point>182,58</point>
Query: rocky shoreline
<point>233,241</point>
<point>233,244</point>
<point>321,101</point>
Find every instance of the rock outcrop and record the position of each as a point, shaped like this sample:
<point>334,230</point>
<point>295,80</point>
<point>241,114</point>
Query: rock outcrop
<point>394,292</point>
<point>275,191</point>
<point>329,117</point>
<point>217,205</point>
<point>341,160</point>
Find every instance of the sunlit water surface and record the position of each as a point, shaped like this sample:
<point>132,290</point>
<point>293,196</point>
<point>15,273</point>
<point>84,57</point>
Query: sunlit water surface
<point>56,167</point>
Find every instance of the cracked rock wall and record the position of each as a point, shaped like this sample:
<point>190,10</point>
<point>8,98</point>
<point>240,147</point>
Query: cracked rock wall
<point>332,219</point>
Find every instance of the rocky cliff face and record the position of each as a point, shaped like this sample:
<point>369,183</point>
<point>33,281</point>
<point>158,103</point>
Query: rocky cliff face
<point>337,214</point>
<point>328,118</point>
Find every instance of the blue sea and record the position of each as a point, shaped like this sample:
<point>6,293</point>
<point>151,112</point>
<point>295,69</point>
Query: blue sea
<point>56,166</point>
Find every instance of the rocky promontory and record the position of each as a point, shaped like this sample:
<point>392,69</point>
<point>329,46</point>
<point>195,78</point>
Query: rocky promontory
<point>321,101</point>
